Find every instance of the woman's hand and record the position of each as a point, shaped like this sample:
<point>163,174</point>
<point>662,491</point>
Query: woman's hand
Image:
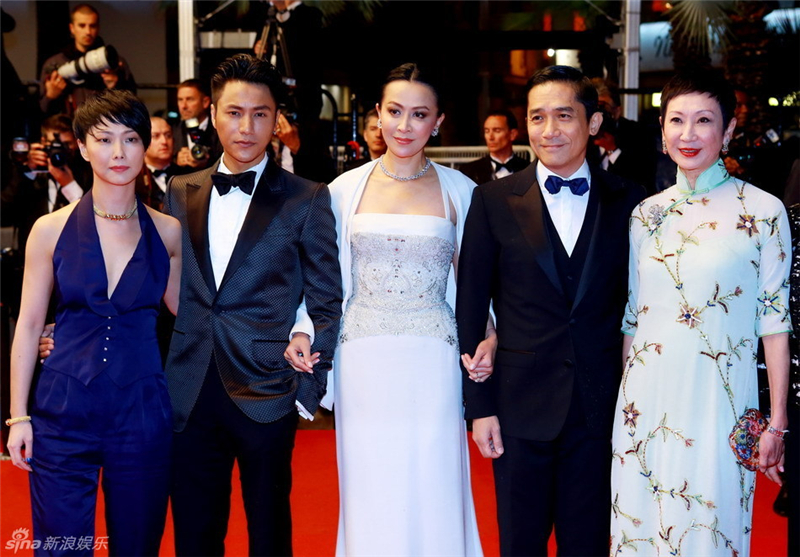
<point>771,453</point>
<point>298,354</point>
<point>21,435</point>
<point>481,365</point>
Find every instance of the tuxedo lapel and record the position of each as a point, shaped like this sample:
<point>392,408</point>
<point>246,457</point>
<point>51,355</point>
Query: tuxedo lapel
<point>597,246</point>
<point>198,199</point>
<point>268,199</point>
<point>527,207</point>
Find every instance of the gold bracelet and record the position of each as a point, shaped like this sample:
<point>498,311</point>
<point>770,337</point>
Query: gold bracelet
<point>12,421</point>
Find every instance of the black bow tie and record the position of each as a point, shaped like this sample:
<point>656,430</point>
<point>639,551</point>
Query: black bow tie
<point>499,165</point>
<point>159,172</point>
<point>245,181</point>
<point>578,186</point>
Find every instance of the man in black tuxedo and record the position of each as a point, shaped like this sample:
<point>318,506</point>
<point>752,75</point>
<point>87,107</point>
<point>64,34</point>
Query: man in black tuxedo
<point>499,131</point>
<point>548,246</point>
<point>260,252</point>
<point>151,184</point>
<point>194,103</point>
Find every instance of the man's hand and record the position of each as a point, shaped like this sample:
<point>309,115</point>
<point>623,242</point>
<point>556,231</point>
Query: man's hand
<point>110,78</point>
<point>62,175</point>
<point>486,434</point>
<point>185,158</point>
<point>54,85</point>
<point>46,342</point>
<point>288,134</point>
<point>298,353</point>
<point>37,157</point>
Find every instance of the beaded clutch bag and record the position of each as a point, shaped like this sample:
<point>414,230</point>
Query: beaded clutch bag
<point>745,436</point>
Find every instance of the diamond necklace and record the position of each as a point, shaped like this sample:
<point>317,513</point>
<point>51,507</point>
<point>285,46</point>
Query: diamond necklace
<point>419,174</point>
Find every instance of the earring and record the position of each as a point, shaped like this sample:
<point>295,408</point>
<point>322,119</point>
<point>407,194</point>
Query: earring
<point>663,145</point>
<point>725,147</point>
<point>380,124</point>
<point>435,131</point>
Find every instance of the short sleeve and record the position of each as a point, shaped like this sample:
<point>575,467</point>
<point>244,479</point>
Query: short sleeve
<point>774,266</point>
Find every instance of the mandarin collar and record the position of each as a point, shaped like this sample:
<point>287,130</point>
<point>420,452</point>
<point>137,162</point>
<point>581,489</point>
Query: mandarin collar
<point>713,176</point>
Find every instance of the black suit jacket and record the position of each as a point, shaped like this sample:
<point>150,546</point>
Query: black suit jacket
<point>286,250</point>
<point>481,170</point>
<point>545,346</point>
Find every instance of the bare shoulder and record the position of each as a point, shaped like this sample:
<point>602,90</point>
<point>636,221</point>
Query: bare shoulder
<point>168,228</point>
<point>47,228</point>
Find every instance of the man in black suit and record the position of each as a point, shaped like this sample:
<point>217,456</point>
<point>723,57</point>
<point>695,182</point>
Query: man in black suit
<point>618,160</point>
<point>194,102</point>
<point>259,249</point>
<point>45,184</point>
<point>500,130</point>
<point>548,246</point>
<point>151,184</point>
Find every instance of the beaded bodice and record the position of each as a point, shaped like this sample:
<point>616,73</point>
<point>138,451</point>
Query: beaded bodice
<point>400,265</point>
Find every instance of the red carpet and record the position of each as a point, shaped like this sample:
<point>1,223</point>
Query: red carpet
<point>315,506</point>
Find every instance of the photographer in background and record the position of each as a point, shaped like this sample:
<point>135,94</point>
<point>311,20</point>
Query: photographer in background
<point>196,144</point>
<point>58,95</point>
<point>53,176</point>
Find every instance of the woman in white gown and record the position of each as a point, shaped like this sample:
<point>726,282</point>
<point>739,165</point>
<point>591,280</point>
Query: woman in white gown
<point>401,442</point>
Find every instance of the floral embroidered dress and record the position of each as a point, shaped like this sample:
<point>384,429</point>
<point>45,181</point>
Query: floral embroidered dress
<point>708,275</point>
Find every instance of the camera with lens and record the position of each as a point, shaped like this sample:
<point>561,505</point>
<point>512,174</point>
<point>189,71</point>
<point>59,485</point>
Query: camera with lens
<point>93,62</point>
<point>57,152</point>
<point>200,150</point>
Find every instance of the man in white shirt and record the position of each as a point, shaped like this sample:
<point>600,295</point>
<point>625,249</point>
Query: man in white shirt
<point>260,268</point>
<point>548,248</point>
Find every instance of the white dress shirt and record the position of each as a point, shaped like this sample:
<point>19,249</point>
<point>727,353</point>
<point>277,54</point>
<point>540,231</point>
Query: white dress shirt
<point>226,215</point>
<point>567,210</point>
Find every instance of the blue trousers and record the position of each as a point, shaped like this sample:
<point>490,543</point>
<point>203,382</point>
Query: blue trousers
<point>79,431</point>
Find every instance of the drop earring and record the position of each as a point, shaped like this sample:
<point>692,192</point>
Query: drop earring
<point>725,147</point>
<point>435,131</point>
<point>663,145</point>
<point>380,124</point>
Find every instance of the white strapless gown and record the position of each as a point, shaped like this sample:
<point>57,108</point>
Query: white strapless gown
<point>404,477</point>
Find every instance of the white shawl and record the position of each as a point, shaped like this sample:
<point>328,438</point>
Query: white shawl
<point>346,192</point>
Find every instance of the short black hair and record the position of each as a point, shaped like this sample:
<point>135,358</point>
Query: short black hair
<point>198,84</point>
<point>511,120</point>
<point>57,123</point>
<point>243,67</point>
<point>705,81</point>
<point>112,106</point>
<point>84,9</point>
<point>585,92</point>
<point>413,72</point>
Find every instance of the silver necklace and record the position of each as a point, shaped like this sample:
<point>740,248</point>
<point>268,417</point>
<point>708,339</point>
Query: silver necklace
<point>416,176</point>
